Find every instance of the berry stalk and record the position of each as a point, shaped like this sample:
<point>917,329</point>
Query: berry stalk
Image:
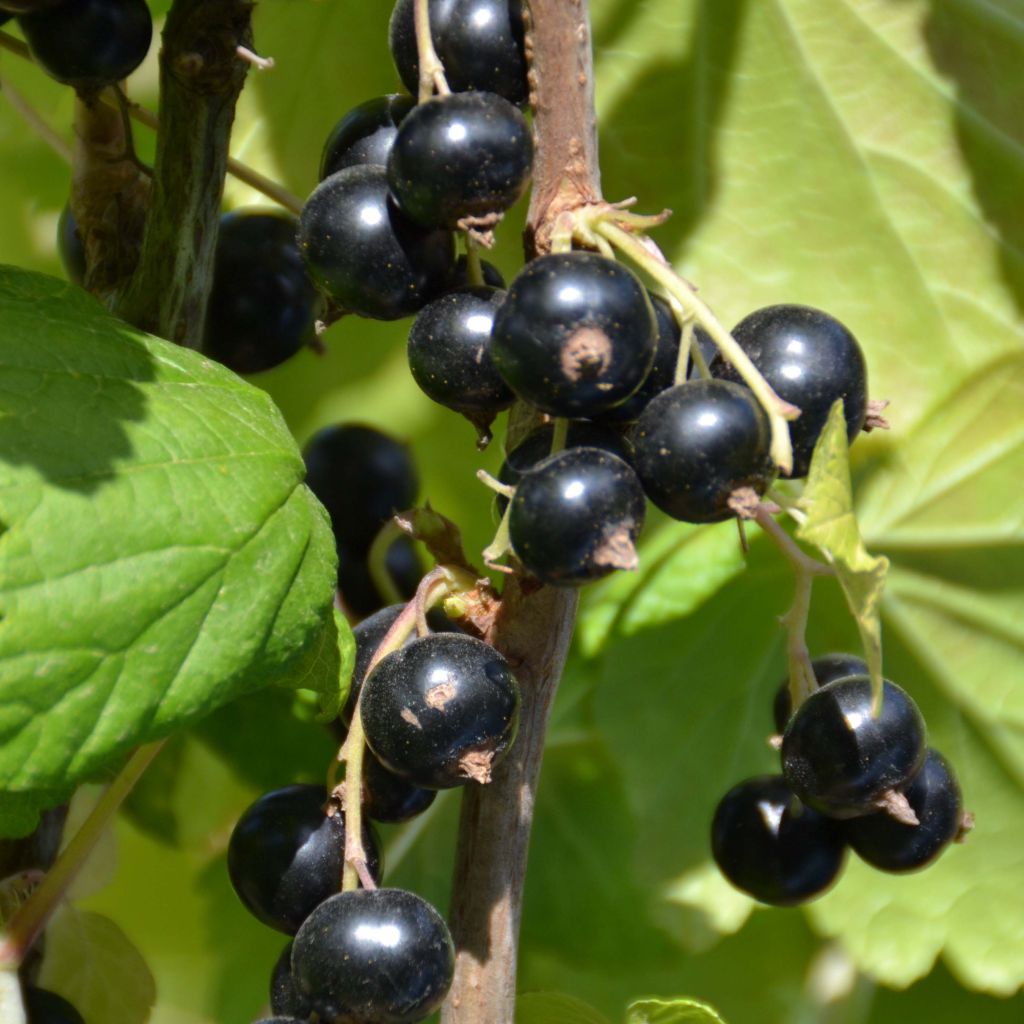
<point>431,69</point>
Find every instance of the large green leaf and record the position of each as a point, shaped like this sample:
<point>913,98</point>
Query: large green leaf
<point>160,554</point>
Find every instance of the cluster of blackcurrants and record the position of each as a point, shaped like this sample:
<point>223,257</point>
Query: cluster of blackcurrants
<point>437,713</point>
<point>850,777</point>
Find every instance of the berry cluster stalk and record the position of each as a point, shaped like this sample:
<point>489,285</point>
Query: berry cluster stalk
<point>534,628</point>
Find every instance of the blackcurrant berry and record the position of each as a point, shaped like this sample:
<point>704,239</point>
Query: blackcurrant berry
<point>357,586</point>
<point>890,845</point>
<point>365,134</point>
<point>697,443</point>
<point>285,997</point>
<point>388,798</point>
<point>663,370</point>
<point>27,6</point>
<point>537,445</point>
<point>457,156</point>
<point>575,517</point>
<point>480,43</point>
<point>89,43</point>
<point>773,847</point>
<point>440,711</point>
<point>362,477</point>
<point>286,855</point>
<point>826,668</point>
<point>263,307</point>
<point>367,255</point>
<point>70,247</point>
<point>842,759</point>
<point>493,278</point>
<point>810,359</point>
<point>383,957</point>
<point>575,335</point>
<point>450,354</point>
<point>45,1007</point>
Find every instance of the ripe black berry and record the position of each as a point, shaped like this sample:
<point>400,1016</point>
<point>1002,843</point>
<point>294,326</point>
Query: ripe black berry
<point>480,43</point>
<point>841,759</point>
<point>890,845</point>
<point>441,711</point>
<point>365,134</point>
<point>367,255</point>
<point>663,370</point>
<point>362,477</point>
<point>697,443</point>
<point>388,798</point>
<point>810,359</point>
<point>263,306</point>
<point>575,335</point>
<point>773,847</point>
<point>356,583</point>
<point>462,155</point>
<point>575,517</point>
<point>537,445</point>
<point>89,43</point>
<point>826,668</point>
<point>45,1007</point>
<point>70,247</point>
<point>285,997</point>
<point>450,354</point>
<point>286,855</point>
<point>383,957</point>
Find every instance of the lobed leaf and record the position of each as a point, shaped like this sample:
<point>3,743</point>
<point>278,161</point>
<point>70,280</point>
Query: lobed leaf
<point>671,1011</point>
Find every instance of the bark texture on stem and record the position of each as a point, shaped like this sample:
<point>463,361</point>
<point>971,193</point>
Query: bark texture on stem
<point>201,76</point>
<point>565,169</point>
<point>533,631</point>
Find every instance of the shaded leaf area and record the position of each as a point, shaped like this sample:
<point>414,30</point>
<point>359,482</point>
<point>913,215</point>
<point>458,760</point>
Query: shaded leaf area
<point>160,555</point>
<point>554,1008</point>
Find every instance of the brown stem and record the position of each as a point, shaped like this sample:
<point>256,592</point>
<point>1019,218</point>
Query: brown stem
<point>534,626</point>
<point>201,76</point>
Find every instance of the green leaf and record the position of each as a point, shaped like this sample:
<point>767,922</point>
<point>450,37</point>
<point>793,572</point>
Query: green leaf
<point>831,524</point>
<point>160,555</point>
<point>91,963</point>
<point>671,1011</point>
<point>555,1008</point>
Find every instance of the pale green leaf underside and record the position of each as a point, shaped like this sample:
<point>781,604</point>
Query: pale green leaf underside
<point>160,554</point>
<point>671,1011</point>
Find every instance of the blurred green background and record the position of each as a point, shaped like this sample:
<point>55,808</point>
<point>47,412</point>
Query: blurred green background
<point>864,156</point>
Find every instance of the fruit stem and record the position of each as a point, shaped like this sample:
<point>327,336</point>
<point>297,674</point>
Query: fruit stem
<point>32,916</point>
<point>474,268</point>
<point>431,69</point>
<point>777,410</point>
<point>559,434</point>
<point>377,562</point>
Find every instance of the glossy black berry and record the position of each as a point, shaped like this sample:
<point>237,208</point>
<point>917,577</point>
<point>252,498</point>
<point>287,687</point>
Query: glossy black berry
<point>575,517</point>
<point>263,307</point>
<point>699,442</point>
<point>26,6</point>
<point>890,845</point>
<point>362,477</point>
<point>493,277</point>
<point>365,134</point>
<point>462,155</point>
<point>367,255</point>
<point>89,43</point>
<point>480,43</point>
<point>663,370</point>
<point>450,354</point>
<point>537,445</point>
<point>70,247</point>
<point>840,758</point>
<point>773,847</point>
<point>576,334</point>
<point>442,710</point>
<point>826,668</point>
<point>357,586</point>
<point>45,1007</point>
<point>286,855</point>
<point>381,957</point>
<point>810,359</point>
<point>285,997</point>
<point>388,798</point>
